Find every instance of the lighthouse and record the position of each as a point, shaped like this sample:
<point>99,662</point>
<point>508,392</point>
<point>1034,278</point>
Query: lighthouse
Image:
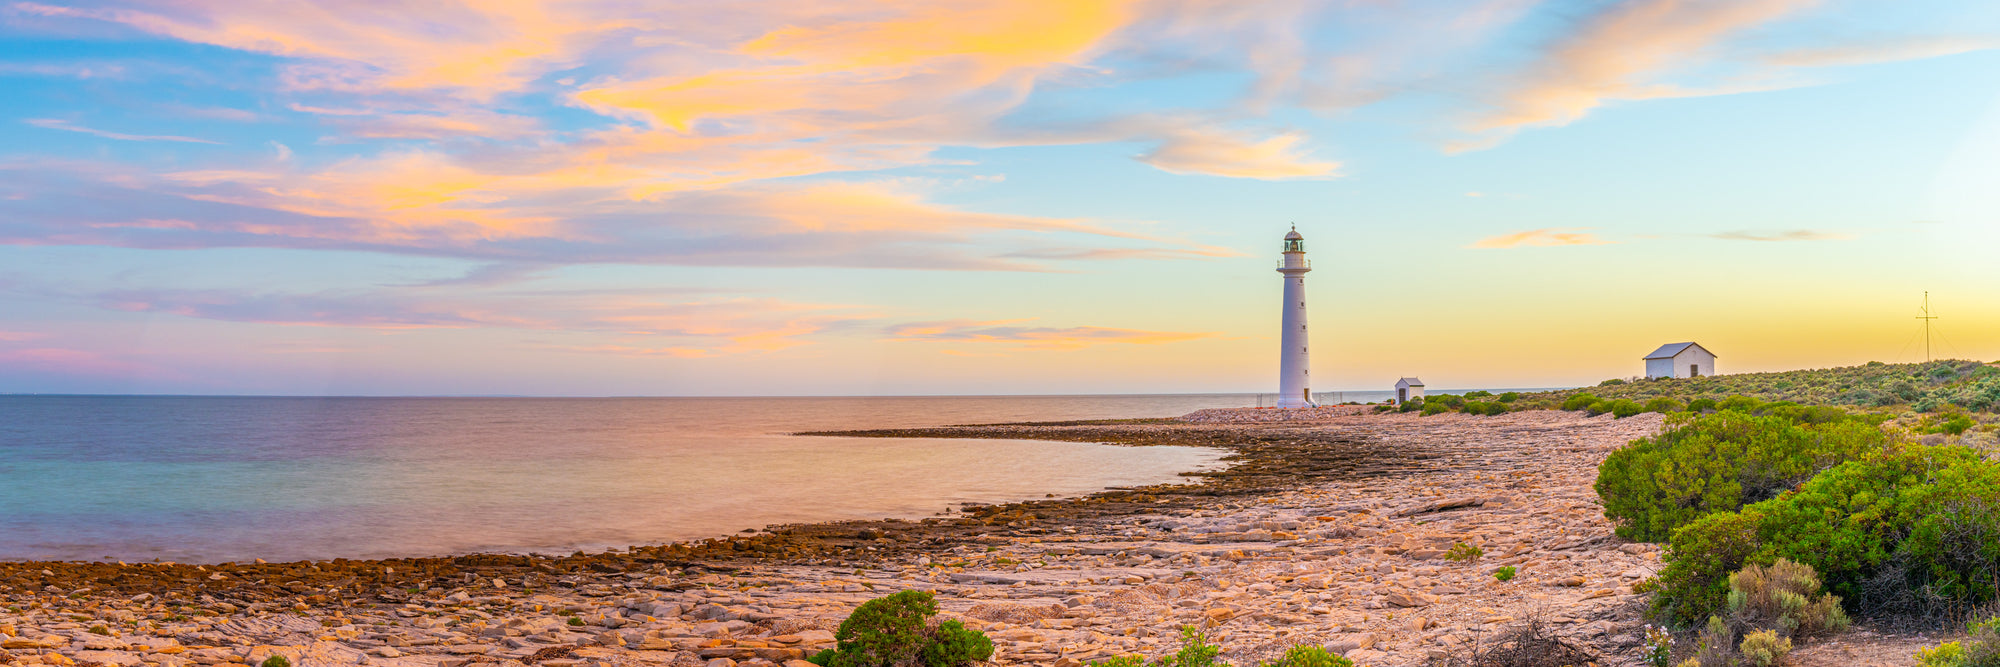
<point>1294,366</point>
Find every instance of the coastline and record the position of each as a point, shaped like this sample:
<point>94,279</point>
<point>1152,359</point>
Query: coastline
<point>1090,556</point>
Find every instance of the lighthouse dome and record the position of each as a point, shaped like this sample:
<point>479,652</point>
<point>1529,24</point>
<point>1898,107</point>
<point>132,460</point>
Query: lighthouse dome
<point>1294,236</point>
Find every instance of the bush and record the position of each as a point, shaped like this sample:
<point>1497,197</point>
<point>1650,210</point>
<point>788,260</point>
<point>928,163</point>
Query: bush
<point>1913,532</point>
<point>1600,407</point>
<point>1664,404</point>
<point>895,630</point>
<point>1784,597</point>
<point>1613,382</point>
<point>1948,654</point>
<point>1412,405</point>
<point>1766,648</point>
<point>1705,463</point>
<point>1739,403</point>
<point>1509,397</point>
<point>1309,656</point>
<point>1120,661</point>
<point>1195,651</point>
<point>953,644</point>
<point>1578,402</point>
<point>1505,573</point>
<point>1435,407</point>
<point>1981,649</point>
<point>1464,553</point>
<point>276,661</point>
<point>1626,407</point>
<point>1701,405</point>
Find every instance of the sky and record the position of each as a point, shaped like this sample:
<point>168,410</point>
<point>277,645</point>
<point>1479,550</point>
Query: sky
<point>888,197</point>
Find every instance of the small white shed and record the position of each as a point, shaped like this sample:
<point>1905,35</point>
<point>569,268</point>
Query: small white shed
<point>1409,389</point>
<point>1680,360</point>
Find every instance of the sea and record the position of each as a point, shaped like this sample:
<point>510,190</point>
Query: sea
<point>218,479</point>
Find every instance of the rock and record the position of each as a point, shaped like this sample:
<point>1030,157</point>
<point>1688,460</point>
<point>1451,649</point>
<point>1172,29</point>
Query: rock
<point>119,658</point>
<point>1417,624</point>
<point>387,652</point>
<point>1570,582</point>
<point>1408,599</point>
<point>721,662</point>
<point>1363,656</point>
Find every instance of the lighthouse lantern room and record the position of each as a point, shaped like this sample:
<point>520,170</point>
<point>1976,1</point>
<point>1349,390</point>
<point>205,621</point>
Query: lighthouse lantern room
<point>1294,367</point>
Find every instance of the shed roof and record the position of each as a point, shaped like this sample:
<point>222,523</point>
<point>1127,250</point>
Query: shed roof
<point>1410,382</point>
<point>1672,350</point>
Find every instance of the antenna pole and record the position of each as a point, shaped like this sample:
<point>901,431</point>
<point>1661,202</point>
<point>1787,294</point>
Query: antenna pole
<point>1927,317</point>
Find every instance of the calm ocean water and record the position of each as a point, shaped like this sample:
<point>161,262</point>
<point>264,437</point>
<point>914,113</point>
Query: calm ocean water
<point>218,479</point>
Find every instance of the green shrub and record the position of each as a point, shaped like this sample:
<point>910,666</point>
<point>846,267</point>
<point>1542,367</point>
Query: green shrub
<point>895,631</point>
<point>1704,463</point>
<point>952,644</point>
<point>1505,573</point>
<point>1613,382</point>
<point>276,661</point>
<point>1412,405</point>
<point>1309,656</point>
<point>823,658</point>
<point>1763,649</point>
<point>1434,407</point>
<point>1664,404</point>
<point>1509,397</point>
<point>1701,405</point>
<point>1598,408</point>
<point>1912,531</point>
<point>1578,402</point>
<point>574,621</point>
<point>1626,407</point>
<point>1739,403</point>
<point>1195,651</point>
<point>1948,654</point>
<point>1120,661</point>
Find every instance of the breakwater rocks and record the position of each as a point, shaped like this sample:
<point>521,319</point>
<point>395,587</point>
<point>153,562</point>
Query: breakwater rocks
<point>1355,532</point>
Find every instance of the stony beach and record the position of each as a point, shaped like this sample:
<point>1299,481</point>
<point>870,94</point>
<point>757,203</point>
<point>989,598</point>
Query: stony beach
<point>1331,527</point>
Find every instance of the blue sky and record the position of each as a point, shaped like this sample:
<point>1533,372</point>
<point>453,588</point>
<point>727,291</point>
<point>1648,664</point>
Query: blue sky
<point>973,196</point>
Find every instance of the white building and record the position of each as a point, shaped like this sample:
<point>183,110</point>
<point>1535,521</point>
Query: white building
<point>1294,366</point>
<point>1409,389</point>
<point>1680,360</point>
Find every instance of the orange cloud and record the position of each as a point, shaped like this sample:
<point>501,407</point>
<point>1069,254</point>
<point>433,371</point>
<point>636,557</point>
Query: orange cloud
<point>1616,56</point>
<point>1201,151</point>
<point>1539,237</point>
<point>1868,53</point>
<point>1037,338</point>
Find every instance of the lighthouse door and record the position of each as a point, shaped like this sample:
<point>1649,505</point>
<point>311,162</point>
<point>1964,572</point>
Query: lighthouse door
<point>1402,394</point>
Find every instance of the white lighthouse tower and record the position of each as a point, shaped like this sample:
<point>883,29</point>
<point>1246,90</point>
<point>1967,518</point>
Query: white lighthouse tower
<point>1294,366</point>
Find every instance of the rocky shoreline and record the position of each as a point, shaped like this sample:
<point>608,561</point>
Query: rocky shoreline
<point>1330,528</point>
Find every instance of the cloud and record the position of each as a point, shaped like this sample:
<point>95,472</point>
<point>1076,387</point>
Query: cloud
<point>1790,235</point>
<point>1037,338</point>
<point>1882,51</point>
<point>1620,53</point>
<point>19,336</point>
<point>1216,153</point>
<point>1548,236</point>
<point>422,204</point>
<point>72,362</point>
<point>59,124</point>
<point>633,323</point>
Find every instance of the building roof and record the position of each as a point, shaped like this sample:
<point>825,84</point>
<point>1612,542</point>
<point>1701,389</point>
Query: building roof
<point>1293,235</point>
<point>1410,382</point>
<point>1672,350</point>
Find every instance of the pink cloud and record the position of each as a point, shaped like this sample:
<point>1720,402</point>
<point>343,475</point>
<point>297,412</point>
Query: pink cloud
<point>1040,338</point>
